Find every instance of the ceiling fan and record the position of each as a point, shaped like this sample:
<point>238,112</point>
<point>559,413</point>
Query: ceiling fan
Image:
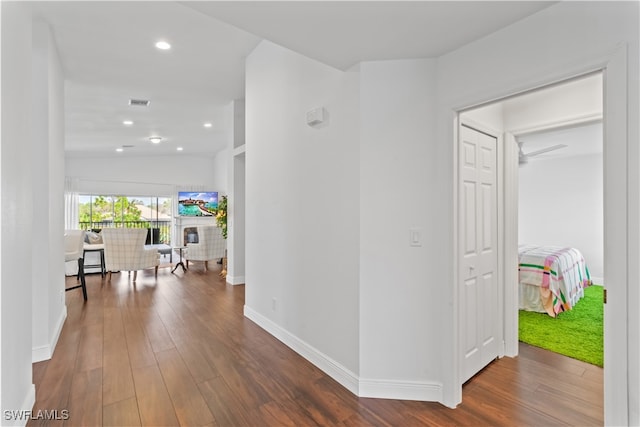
<point>523,158</point>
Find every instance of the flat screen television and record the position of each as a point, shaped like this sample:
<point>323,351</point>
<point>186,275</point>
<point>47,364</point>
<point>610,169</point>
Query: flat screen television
<point>197,203</point>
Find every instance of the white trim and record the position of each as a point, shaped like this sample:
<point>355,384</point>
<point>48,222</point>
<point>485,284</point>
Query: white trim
<point>617,255</point>
<point>38,354</point>
<point>374,388</point>
<point>401,390</point>
<point>239,151</point>
<point>329,366</point>
<point>27,405</point>
<point>44,352</point>
<point>510,243</point>
<point>617,213</point>
<point>235,280</point>
<point>58,329</point>
<point>453,396</point>
<point>577,120</point>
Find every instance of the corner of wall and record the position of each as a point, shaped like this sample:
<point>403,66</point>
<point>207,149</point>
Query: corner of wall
<point>38,354</point>
<point>335,370</point>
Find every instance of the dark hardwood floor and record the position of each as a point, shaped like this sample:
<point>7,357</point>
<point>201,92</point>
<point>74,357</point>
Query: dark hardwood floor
<point>178,351</point>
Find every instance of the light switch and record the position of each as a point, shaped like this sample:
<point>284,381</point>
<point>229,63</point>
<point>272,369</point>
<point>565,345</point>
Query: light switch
<point>415,237</point>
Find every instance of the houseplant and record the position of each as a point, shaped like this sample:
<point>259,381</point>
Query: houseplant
<point>221,221</point>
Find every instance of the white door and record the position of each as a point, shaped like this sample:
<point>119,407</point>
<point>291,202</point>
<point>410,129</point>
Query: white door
<point>478,243</point>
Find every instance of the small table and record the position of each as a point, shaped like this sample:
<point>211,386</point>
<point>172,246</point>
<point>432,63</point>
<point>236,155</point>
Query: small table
<point>180,263</point>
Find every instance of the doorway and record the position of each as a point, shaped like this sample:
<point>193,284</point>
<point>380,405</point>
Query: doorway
<point>563,108</point>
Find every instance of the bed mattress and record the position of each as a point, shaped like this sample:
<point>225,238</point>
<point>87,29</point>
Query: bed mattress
<point>551,279</point>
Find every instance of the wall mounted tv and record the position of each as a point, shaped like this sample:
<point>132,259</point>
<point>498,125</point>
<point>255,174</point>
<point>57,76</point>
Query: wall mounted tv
<point>197,203</point>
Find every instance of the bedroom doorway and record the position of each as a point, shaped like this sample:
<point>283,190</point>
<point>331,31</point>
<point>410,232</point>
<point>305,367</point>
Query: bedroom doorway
<point>549,134</point>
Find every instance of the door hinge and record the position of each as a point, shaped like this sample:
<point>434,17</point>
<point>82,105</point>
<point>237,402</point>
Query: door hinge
<point>604,295</point>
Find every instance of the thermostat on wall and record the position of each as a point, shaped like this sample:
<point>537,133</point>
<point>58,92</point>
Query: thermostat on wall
<point>315,116</point>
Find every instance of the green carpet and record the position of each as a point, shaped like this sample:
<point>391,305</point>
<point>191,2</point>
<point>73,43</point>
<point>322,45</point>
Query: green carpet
<point>576,333</point>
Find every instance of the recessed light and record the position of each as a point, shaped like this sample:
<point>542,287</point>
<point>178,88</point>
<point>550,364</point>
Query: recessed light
<point>127,122</point>
<point>208,125</point>
<point>155,139</point>
<point>120,149</point>
<point>163,45</point>
<point>179,148</point>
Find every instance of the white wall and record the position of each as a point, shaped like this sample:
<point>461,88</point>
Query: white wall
<point>560,204</point>
<point>47,271</point>
<point>220,169</point>
<point>57,308</point>
<point>40,171</point>
<point>562,104</point>
<point>236,172</point>
<point>236,214</point>
<point>490,116</point>
<point>16,390</point>
<point>563,40</point>
<point>143,175</point>
<point>302,206</point>
<point>406,297</point>
<point>398,298</point>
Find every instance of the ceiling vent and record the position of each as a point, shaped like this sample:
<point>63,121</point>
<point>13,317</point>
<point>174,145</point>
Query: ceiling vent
<point>139,102</point>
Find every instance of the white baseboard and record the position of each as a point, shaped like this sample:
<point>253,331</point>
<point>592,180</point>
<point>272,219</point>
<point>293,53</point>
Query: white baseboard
<point>329,366</point>
<point>235,280</point>
<point>375,388</point>
<point>22,416</point>
<point>401,390</point>
<point>597,280</point>
<point>38,354</point>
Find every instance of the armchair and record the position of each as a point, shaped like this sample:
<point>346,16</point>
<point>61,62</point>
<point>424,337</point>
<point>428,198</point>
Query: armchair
<point>124,251</point>
<point>210,246</point>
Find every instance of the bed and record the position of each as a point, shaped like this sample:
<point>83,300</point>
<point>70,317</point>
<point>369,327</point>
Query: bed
<point>551,278</point>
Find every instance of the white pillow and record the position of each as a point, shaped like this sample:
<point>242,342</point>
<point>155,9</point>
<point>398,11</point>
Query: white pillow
<point>94,238</point>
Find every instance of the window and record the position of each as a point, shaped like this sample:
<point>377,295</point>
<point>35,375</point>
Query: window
<point>101,211</point>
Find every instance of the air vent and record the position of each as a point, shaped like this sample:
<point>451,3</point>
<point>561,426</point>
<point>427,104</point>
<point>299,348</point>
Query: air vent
<point>128,146</point>
<point>139,102</point>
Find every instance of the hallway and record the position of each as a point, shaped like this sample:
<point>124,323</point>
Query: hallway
<point>178,351</point>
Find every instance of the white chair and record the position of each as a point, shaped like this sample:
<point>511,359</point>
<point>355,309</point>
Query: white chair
<point>124,251</point>
<point>210,246</point>
<point>73,251</point>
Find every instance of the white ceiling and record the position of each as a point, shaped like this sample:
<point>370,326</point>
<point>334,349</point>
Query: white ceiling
<point>108,56</point>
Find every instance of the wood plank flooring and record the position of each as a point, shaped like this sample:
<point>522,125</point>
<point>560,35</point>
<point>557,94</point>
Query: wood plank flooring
<point>178,351</point>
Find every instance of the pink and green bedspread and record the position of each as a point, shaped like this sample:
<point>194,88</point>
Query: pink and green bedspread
<point>551,278</point>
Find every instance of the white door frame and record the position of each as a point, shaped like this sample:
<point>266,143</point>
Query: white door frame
<point>619,247</point>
